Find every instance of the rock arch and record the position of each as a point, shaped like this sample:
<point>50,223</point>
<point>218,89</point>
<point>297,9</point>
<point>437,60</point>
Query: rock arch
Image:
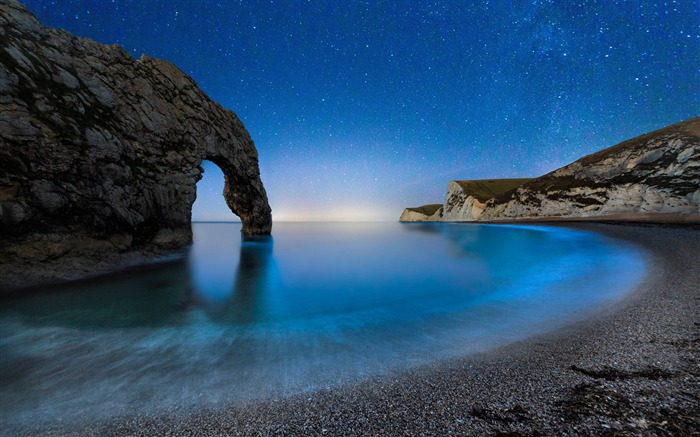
<point>96,146</point>
<point>247,201</point>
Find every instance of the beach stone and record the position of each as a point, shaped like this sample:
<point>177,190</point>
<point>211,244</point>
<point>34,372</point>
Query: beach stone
<point>94,143</point>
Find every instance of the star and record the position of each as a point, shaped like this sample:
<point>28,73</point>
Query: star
<point>411,92</point>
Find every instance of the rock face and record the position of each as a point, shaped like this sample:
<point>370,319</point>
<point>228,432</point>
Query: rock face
<point>100,150</point>
<point>466,200</point>
<point>420,215</point>
<point>656,173</point>
<point>459,205</point>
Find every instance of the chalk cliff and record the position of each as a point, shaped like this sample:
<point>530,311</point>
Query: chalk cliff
<point>656,173</point>
<point>466,200</point>
<point>425,213</point>
<point>100,153</point>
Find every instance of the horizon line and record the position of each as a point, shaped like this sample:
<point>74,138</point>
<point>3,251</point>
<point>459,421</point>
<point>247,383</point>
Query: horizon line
<point>301,221</point>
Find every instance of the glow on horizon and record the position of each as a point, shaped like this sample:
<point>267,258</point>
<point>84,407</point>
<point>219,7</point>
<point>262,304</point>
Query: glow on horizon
<point>210,205</point>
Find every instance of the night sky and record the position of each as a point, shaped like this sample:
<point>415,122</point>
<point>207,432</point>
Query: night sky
<point>359,109</point>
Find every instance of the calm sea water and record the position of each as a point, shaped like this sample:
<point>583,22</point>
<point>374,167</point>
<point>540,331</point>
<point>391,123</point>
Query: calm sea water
<point>315,306</point>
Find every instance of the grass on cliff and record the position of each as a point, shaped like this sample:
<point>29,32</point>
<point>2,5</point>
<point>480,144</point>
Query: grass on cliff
<point>689,129</point>
<point>426,209</point>
<point>554,186</point>
<point>485,189</point>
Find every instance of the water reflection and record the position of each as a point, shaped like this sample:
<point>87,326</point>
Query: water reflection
<point>246,304</point>
<point>225,277</point>
<point>148,298</point>
<point>230,275</point>
<point>212,262</point>
<point>321,305</point>
<point>426,228</point>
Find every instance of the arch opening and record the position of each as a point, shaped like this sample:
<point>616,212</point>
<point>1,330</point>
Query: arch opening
<point>210,203</point>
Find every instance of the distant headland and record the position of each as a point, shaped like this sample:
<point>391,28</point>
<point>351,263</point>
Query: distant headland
<point>653,177</point>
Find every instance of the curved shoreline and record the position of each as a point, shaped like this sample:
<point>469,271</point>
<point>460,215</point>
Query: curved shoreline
<point>630,370</point>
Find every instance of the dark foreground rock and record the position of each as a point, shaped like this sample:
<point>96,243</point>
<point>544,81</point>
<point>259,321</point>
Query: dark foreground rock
<point>630,370</point>
<point>100,153</point>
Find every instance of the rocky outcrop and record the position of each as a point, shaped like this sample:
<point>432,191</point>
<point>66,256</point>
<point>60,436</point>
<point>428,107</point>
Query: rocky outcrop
<point>425,213</point>
<point>466,200</point>
<point>101,151</point>
<point>460,206</point>
<point>657,173</point>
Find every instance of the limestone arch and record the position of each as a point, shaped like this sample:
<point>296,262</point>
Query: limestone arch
<point>246,201</point>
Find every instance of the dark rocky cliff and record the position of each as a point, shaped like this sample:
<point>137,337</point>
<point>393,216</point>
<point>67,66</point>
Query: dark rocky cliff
<point>100,153</point>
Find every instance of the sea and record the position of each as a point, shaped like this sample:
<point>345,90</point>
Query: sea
<point>314,306</point>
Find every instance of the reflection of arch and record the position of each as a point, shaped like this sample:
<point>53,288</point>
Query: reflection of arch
<point>252,279</point>
<point>225,299</point>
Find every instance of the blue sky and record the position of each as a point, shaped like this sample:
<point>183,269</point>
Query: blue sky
<point>359,109</point>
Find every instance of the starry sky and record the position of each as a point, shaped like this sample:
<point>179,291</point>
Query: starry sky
<point>360,108</point>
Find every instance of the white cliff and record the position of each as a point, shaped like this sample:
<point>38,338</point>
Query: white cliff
<point>466,200</point>
<point>656,173</point>
<point>426,213</point>
<point>460,206</point>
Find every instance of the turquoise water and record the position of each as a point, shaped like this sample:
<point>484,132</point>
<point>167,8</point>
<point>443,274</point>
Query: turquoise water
<point>315,306</point>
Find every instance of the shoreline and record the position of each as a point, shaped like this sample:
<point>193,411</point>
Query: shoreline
<point>26,275</point>
<point>630,369</point>
<point>19,275</point>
